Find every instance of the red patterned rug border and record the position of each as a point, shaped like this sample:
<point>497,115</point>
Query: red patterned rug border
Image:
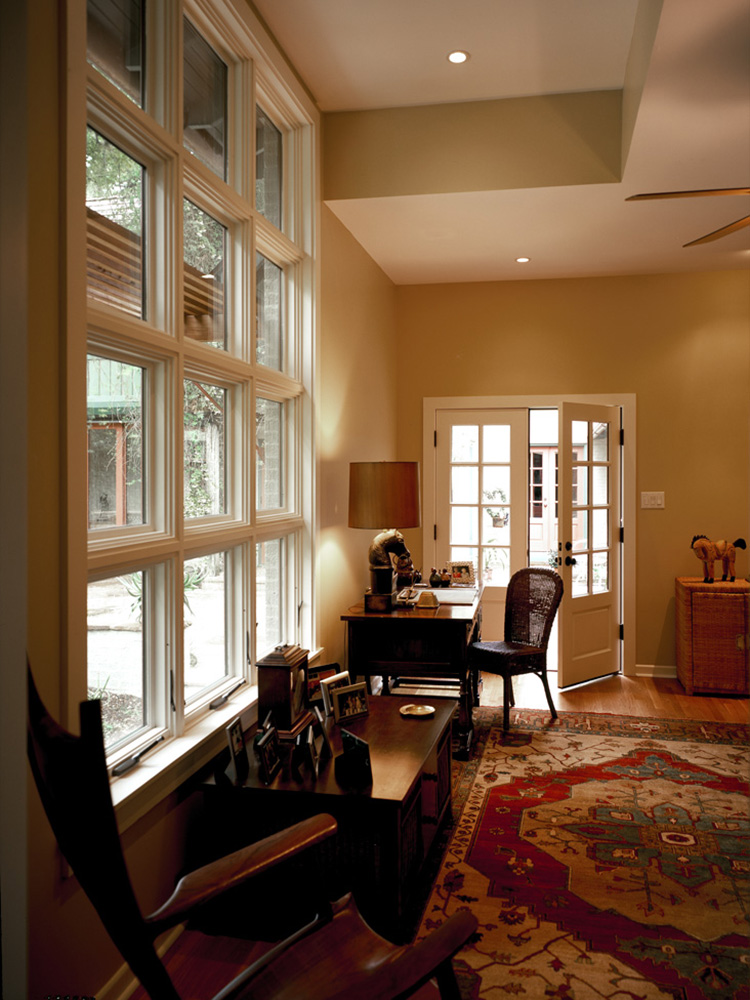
<point>532,719</point>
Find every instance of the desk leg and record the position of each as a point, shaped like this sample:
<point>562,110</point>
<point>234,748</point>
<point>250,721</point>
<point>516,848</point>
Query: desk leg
<point>465,717</point>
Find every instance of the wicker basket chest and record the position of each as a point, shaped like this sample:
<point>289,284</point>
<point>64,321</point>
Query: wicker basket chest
<point>712,635</point>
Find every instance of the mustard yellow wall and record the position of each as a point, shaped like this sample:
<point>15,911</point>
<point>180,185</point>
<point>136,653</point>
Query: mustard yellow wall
<point>356,412</point>
<point>681,343</point>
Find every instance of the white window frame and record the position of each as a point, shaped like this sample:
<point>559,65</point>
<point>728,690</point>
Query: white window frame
<point>258,75</point>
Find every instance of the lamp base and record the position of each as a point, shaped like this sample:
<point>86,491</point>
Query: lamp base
<point>379,603</point>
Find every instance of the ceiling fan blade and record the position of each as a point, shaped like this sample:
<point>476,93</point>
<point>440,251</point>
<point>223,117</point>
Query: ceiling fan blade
<point>688,194</point>
<point>718,233</point>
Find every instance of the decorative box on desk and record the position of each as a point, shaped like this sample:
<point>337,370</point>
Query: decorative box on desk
<point>712,635</point>
<point>282,689</point>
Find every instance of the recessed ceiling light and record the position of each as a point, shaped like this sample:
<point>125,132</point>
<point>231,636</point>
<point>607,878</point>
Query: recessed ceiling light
<point>458,56</point>
<point>522,260</point>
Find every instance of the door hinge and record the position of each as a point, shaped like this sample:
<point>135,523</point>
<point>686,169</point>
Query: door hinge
<point>622,535</point>
<point>622,631</point>
<point>622,436</point>
<point>434,532</point>
<point>434,439</point>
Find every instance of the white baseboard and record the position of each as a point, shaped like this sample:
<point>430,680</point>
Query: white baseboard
<point>124,984</point>
<point>655,670</point>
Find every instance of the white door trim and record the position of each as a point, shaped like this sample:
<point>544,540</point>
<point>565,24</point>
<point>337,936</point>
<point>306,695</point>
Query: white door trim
<point>627,402</point>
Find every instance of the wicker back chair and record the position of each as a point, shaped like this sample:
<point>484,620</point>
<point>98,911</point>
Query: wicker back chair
<point>531,604</point>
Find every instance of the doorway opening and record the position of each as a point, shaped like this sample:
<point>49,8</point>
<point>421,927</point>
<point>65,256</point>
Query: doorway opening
<point>588,498</point>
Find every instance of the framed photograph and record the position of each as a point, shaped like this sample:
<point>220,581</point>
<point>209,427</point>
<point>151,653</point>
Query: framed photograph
<point>353,767</point>
<point>315,675</point>
<point>322,740</point>
<point>312,757</point>
<point>329,684</point>
<point>462,573</point>
<point>267,749</point>
<point>349,702</point>
<point>237,748</point>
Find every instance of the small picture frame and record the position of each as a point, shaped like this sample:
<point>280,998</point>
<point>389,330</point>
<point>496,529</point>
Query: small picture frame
<point>267,749</point>
<point>329,684</point>
<point>237,748</point>
<point>311,754</point>
<point>323,742</point>
<point>353,767</point>
<point>349,702</point>
<point>462,574</point>
<point>316,674</point>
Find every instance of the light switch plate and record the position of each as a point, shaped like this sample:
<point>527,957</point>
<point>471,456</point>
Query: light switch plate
<point>654,501</point>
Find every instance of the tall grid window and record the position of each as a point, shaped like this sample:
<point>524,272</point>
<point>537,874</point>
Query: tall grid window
<point>199,468</point>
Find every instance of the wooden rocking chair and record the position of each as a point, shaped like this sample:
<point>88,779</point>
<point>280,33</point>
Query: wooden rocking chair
<point>335,955</point>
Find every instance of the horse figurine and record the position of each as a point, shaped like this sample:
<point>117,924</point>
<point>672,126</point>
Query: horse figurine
<point>384,548</point>
<point>708,552</point>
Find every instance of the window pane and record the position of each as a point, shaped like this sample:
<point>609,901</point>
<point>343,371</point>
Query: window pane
<point>496,566</point>
<point>205,650</point>
<point>600,568</point>
<point>204,250</point>
<point>496,485</point>
<point>269,422</point>
<point>115,415</point>
<point>204,101</point>
<point>465,443</point>
<point>204,444</point>
<point>580,530</point>
<point>114,226</point>
<point>269,584</point>
<point>114,36</point>
<point>580,485</point>
<point>580,436</point>
<point>600,528</point>
<point>464,526</point>
<point>600,445</point>
<point>268,319</point>
<point>496,443</point>
<point>268,168</point>
<point>116,673</point>
<point>496,530</point>
<point>465,484</point>
<point>580,576</point>
<point>600,484</point>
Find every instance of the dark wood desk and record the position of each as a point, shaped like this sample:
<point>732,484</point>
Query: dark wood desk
<point>420,643</point>
<point>385,830</point>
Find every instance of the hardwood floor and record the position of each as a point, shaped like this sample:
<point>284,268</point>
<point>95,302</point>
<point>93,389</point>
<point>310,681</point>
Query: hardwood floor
<point>661,698</point>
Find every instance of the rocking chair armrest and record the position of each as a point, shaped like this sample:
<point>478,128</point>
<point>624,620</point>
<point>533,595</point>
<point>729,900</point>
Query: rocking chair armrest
<point>414,965</point>
<point>211,880</point>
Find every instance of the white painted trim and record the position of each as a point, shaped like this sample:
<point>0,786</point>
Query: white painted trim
<point>655,670</point>
<point>627,402</point>
<point>123,983</point>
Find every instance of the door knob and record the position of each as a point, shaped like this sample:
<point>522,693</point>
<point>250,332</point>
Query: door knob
<point>569,561</point>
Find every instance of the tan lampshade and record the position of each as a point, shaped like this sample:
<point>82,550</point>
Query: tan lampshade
<point>384,495</point>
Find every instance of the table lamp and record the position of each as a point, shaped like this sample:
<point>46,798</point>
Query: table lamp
<point>383,494</point>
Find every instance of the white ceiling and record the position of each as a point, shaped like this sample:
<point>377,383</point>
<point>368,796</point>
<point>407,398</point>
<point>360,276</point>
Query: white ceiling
<point>692,130</point>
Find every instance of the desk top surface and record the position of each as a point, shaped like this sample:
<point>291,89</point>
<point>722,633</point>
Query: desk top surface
<point>446,611</point>
<point>399,748</point>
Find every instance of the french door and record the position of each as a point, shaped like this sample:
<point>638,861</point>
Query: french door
<point>486,510</point>
<point>481,486</point>
<point>589,541</point>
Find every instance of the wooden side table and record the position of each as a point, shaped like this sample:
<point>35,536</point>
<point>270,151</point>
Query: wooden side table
<point>711,621</point>
<point>420,643</point>
<point>385,829</point>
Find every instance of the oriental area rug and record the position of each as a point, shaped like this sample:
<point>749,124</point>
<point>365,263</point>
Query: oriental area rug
<point>605,857</point>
